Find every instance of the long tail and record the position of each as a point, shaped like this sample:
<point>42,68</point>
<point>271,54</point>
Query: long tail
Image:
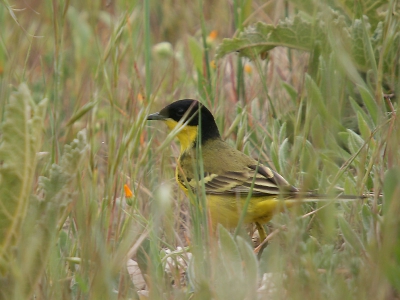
<point>299,197</point>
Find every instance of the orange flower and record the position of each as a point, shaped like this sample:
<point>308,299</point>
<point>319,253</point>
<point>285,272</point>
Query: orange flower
<point>213,35</point>
<point>128,192</point>
<point>140,98</point>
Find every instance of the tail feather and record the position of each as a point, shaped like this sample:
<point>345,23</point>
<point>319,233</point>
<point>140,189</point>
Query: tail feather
<point>312,197</point>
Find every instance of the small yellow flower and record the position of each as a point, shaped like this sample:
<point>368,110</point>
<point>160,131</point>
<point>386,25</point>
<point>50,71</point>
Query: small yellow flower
<point>248,68</point>
<point>213,65</point>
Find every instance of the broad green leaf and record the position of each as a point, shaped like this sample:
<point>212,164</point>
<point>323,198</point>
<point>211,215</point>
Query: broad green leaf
<point>358,110</point>
<point>250,266</point>
<point>229,268</point>
<point>355,141</point>
<point>19,144</point>
<point>282,132</point>
<point>369,102</point>
<point>361,45</point>
<point>230,252</point>
<point>350,236</point>
<point>363,126</point>
<point>275,156</point>
<point>254,40</point>
<point>349,185</point>
<point>344,137</point>
<point>367,217</point>
<point>276,128</point>
<point>284,155</point>
<point>317,132</point>
<point>368,44</point>
<point>316,99</point>
<point>306,151</point>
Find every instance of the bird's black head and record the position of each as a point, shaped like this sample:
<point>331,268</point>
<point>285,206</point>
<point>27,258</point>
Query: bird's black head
<point>192,110</point>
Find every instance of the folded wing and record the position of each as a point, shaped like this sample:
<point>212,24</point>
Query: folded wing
<point>257,179</point>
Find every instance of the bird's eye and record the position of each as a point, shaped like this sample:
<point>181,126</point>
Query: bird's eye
<point>180,112</point>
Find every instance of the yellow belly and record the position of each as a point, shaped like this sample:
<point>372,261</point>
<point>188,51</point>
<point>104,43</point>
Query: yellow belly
<point>227,209</point>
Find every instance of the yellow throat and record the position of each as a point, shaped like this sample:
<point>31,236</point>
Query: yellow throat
<point>186,136</point>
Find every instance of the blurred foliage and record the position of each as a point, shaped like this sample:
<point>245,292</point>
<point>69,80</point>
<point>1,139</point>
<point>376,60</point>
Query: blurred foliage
<point>364,34</point>
<point>319,106</point>
<point>20,141</point>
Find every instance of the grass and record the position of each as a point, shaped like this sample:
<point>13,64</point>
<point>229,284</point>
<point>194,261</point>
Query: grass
<point>324,117</point>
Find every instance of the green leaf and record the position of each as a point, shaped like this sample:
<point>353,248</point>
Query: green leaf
<point>350,236</point>
<point>363,126</point>
<point>307,6</point>
<point>358,110</point>
<point>231,255</point>
<point>19,144</point>
<point>317,134</point>
<point>361,45</point>
<point>74,153</point>
<point>370,103</point>
<point>62,176</point>
<point>250,266</point>
<point>391,188</point>
<point>246,9</point>
<point>254,40</point>
<point>283,155</point>
<point>291,91</point>
<point>196,50</point>
<point>82,33</point>
<point>57,190</point>
<point>317,101</point>
<point>308,156</point>
<point>355,142</point>
<point>282,132</point>
<point>315,97</point>
<point>142,257</point>
<point>368,8</point>
<point>81,112</point>
<point>367,217</point>
<point>391,54</point>
<point>275,156</point>
<point>389,253</point>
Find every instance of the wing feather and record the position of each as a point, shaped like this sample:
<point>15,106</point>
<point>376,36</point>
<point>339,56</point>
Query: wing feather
<point>257,179</point>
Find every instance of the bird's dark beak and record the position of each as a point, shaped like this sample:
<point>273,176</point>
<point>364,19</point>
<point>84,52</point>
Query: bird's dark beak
<point>156,116</point>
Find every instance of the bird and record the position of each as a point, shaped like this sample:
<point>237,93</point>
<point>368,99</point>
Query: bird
<point>229,176</point>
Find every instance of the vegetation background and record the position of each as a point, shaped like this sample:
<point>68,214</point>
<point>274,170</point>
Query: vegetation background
<point>311,87</point>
